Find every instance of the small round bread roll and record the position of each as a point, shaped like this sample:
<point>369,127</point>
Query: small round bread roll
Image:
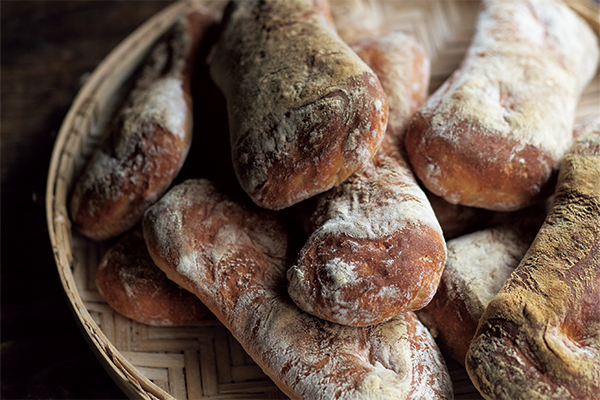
<point>134,286</point>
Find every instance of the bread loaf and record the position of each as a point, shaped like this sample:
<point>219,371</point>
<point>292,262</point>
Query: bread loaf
<point>234,256</point>
<point>150,137</point>
<point>403,69</point>
<point>375,248</point>
<point>540,335</point>
<point>493,135</point>
<point>304,111</point>
<point>477,266</point>
<point>134,286</point>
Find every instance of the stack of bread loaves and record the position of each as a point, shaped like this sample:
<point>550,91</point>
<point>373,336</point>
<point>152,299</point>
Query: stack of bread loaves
<point>327,242</point>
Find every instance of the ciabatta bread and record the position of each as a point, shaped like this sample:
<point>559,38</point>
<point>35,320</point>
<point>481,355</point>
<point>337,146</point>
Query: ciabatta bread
<point>304,111</point>
<point>493,135</point>
<point>234,257</point>
<point>540,335</point>
<point>150,138</point>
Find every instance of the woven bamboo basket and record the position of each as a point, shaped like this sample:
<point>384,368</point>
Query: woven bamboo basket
<point>205,362</point>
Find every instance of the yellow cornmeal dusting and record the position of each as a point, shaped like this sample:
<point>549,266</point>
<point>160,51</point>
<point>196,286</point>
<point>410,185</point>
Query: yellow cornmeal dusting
<point>550,287</point>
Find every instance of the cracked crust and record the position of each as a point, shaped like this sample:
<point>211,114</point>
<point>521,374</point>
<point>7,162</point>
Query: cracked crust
<point>375,247</point>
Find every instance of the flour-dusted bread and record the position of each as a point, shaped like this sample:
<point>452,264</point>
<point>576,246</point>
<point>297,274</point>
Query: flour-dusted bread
<point>304,111</point>
<point>132,284</point>
<point>477,266</point>
<point>234,256</point>
<point>150,137</point>
<point>540,335</point>
<point>403,68</point>
<point>493,135</point>
<point>375,247</point>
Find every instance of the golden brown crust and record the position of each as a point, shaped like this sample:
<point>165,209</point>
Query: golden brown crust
<point>403,69</point>
<point>150,138</point>
<point>461,174</point>
<point>540,336</point>
<point>493,135</point>
<point>233,256</point>
<point>304,111</point>
<point>135,287</point>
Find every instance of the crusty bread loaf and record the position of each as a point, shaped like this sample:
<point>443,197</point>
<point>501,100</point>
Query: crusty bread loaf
<point>304,111</point>
<point>477,266</point>
<point>540,335</point>
<point>403,68</point>
<point>150,138</point>
<point>375,247</point>
<point>492,136</point>
<point>134,286</point>
<point>234,257</point>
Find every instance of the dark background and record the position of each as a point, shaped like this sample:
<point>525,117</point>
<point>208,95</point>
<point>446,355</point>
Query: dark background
<point>47,50</point>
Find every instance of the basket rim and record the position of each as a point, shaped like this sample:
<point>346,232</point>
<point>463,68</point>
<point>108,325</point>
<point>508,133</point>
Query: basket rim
<point>129,379</point>
<point>132,382</point>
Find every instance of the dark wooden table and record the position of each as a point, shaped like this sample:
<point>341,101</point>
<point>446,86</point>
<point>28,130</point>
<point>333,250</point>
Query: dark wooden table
<point>47,50</point>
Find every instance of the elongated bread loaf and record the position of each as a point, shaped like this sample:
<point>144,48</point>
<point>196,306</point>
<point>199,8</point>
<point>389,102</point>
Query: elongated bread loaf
<point>234,256</point>
<point>540,335</point>
<point>150,138</point>
<point>493,135</point>
<point>477,266</point>
<point>304,111</point>
<point>375,248</point>
<point>403,69</point>
<point>134,286</point>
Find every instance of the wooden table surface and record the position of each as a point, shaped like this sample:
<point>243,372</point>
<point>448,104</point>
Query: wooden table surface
<point>48,49</point>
